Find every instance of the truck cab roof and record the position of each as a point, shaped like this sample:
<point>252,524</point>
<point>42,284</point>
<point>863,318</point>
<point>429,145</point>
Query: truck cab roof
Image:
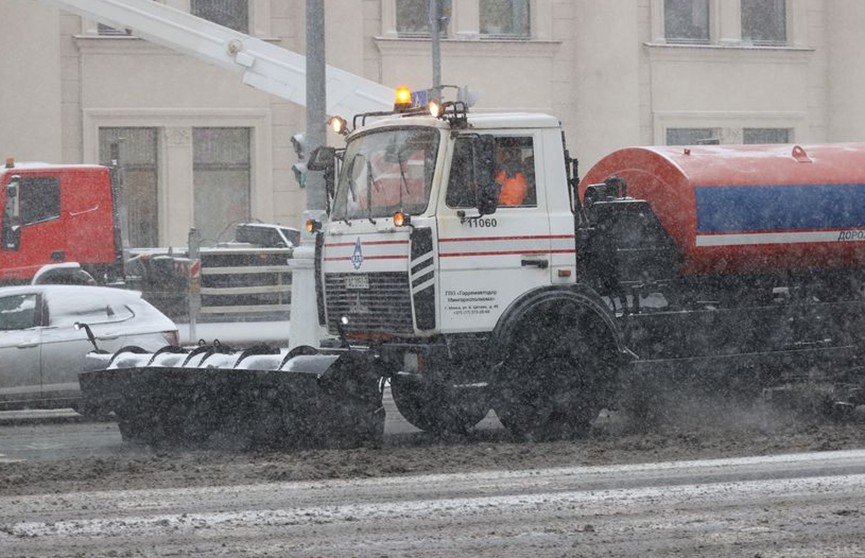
<point>482,121</point>
<point>40,166</point>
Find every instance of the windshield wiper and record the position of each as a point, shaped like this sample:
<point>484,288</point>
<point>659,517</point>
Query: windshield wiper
<point>370,182</point>
<point>403,183</point>
<point>352,191</point>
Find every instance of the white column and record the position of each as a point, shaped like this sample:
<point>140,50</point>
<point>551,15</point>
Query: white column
<point>729,21</point>
<point>656,16</point>
<point>178,192</point>
<point>388,19</point>
<point>303,327</point>
<point>465,19</point>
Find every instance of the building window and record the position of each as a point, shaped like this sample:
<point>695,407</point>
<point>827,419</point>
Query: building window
<point>764,22</point>
<point>505,18</point>
<point>686,21</point>
<point>221,181</point>
<point>138,158</point>
<point>106,30</point>
<point>691,136</point>
<point>766,135</point>
<point>233,14</point>
<point>413,17</point>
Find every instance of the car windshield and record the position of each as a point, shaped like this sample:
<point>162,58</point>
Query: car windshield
<point>386,171</point>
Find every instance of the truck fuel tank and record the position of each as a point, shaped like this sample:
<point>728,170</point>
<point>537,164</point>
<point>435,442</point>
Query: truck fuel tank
<point>750,208</point>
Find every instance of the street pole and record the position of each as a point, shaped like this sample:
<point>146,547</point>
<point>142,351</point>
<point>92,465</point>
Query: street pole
<point>316,102</point>
<point>193,245</point>
<point>303,324</point>
<point>434,26</point>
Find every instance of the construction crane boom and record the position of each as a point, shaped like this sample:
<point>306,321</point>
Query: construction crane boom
<point>263,65</point>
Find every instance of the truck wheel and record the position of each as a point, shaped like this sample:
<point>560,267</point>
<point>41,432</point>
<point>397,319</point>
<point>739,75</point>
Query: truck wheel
<point>558,374</point>
<point>437,407</point>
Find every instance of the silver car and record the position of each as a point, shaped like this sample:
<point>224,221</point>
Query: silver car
<point>44,338</point>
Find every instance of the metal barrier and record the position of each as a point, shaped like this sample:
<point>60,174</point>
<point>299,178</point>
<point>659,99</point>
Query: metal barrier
<point>233,279</point>
<point>245,280</point>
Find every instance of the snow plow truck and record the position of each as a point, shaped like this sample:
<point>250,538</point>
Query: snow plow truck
<point>736,266</point>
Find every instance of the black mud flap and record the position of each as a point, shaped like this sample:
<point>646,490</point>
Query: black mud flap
<point>331,403</point>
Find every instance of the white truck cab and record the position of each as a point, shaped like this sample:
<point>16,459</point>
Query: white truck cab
<point>450,269</point>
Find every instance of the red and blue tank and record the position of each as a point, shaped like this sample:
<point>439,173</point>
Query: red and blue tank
<point>751,208</point>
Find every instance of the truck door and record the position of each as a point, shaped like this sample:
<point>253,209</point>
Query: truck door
<point>32,229</point>
<point>486,262</point>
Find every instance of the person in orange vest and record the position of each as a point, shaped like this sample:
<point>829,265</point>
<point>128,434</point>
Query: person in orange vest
<point>511,178</point>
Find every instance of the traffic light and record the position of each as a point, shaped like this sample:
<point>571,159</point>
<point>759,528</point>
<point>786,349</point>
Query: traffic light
<point>300,171</point>
<point>298,142</point>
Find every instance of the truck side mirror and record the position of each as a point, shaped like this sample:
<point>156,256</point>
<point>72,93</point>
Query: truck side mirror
<point>12,205</point>
<point>11,233</point>
<point>487,188</point>
<point>323,158</point>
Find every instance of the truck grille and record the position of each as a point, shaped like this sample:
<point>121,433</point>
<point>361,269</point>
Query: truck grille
<point>385,306</point>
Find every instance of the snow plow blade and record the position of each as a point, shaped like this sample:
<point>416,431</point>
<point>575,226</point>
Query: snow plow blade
<point>241,401</point>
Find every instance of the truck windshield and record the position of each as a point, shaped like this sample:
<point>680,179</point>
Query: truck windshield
<point>386,171</point>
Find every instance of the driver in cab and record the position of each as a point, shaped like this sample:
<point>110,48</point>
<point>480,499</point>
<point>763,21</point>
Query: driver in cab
<point>511,177</point>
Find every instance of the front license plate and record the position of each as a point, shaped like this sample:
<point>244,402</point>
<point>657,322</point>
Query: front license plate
<point>357,282</point>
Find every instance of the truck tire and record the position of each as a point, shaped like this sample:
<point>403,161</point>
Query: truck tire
<point>438,408</point>
<point>560,370</point>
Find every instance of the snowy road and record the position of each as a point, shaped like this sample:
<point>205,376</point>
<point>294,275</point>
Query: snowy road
<point>795,505</point>
<point>53,435</point>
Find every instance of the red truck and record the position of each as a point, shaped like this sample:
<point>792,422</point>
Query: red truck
<point>59,213</point>
<point>64,224</point>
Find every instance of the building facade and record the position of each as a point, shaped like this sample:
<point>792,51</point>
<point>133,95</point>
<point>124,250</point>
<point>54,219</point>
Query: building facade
<point>201,149</point>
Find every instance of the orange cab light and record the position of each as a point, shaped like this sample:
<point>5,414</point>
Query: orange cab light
<point>312,226</point>
<point>402,100</point>
<point>400,219</point>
